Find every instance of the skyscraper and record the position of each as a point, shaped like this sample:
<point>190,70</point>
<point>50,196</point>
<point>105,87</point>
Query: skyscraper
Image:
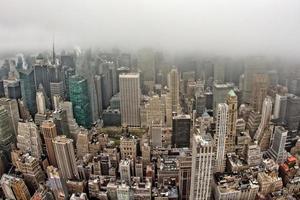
<point>181,131</point>
<point>130,99</point>
<point>173,84</point>
<point>265,119</point>
<point>49,132</point>
<point>220,92</point>
<point>259,91</point>
<point>14,188</point>
<point>221,136</point>
<point>202,167</point>
<point>277,150</point>
<point>280,107</point>
<point>28,89</point>
<point>11,105</point>
<point>7,136</point>
<point>292,116</point>
<point>29,140</point>
<point>80,100</point>
<point>65,156</point>
<point>232,103</point>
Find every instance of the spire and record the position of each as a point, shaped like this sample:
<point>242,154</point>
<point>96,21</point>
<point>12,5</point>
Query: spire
<point>53,51</point>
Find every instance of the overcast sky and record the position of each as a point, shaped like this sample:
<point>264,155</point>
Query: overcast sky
<point>218,26</point>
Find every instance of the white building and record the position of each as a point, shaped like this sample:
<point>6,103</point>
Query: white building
<point>130,96</point>
<point>277,150</point>
<point>173,84</point>
<point>220,136</point>
<point>202,167</point>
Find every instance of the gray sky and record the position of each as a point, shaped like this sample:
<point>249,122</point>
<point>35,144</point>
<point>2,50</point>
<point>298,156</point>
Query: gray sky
<point>218,26</point>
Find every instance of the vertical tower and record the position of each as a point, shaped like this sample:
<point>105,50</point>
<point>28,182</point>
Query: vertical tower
<point>265,119</point>
<point>202,167</point>
<point>130,99</point>
<point>173,84</point>
<point>259,90</point>
<point>80,100</point>
<point>40,102</point>
<point>220,136</point>
<point>29,139</point>
<point>28,89</point>
<point>181,131</point>
<point>49,132</point>
<point>65,156</point>
<point>14,188</point>
<point>7,136</point>
<point>277,150</point>
<point>231,121</point>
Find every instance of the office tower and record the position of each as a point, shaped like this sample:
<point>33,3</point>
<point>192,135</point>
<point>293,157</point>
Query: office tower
<point>61,122</point>
<point>173,84</point>
<point>43,193</point>
<point>57,89</point>
<point>253,66</point>
<point>56,183</point>
<point>220,92</point>
<point>14,188</point>
<point>121,70</point>
<point>2,93</point>
<point>280,108</point>
<point>253,155</point>
<point>259,91</point>
<point>128,147</point>
<point>98,90</point>
<point>232,103</point>
<point>202,167</point>
<point>7,137</point>
<point>28,139</point>
<point>253,122</point>
<point>65,156</point>
<point>48,129</point>
<point>82,143</point>
<point>146,65</point>
<point>40,116</point>
<point>12,108</point>
<point>138,167</point>
<point>124,168</point>
<point>80,99</point>
<point>277,150</point>
<point>72,125</point>
<point>156,134</point>
<point>181,130</point>
<point>68,72</point>
<point>219,71</point>
<point>264,123</point>
<point>185,171</point>
<point>14,90</point>
<point>130,99</point>
<point>28,89</point>
<point>292,117</point>
<point>200,103</point>
<point>221,136</point>
<point>154,110</point>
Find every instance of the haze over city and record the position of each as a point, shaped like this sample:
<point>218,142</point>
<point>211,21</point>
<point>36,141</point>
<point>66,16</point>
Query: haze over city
<point>234,27</point>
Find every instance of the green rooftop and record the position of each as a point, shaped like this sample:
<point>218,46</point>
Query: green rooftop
<point>231,93</point>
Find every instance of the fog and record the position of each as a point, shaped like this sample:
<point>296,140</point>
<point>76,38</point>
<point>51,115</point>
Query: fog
<point>232,27</point>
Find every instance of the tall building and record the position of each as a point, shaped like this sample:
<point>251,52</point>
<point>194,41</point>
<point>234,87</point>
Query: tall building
<point>280,108</point>
<point>277,150</point>
<point>40,116</point>
<point>12,108</point>
<point>220,92</point>
<point>173,84</point>
<point>14,188</point>
<point>181,130</point>
<point>80,99</point>
<point>265,120</point>
<point>124,168</point>
<point>48,129</point>
<point>232,103</point>
<point>156,134</point>
<point>185,171</point>
<point>29,140</point>
<point>65,156</point>
<point>202,167</point>
<point>292,116</point>
<point>7,137</point>
<point>221,136</point>
<point>146,64</point>
<point>57,89</point>
<point>130,99</point>
<point>28,89</point>
<point>259,91</point>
